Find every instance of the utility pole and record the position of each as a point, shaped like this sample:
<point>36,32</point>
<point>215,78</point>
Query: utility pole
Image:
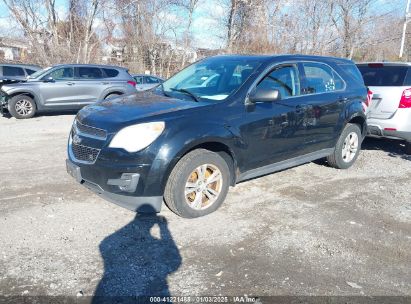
<point>404,30</point>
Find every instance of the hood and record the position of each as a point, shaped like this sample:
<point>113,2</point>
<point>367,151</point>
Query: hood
<point>114,114</point>
<point>16,83</point>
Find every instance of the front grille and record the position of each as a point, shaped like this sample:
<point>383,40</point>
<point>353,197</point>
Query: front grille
<point>88,130</point>
<point>84,153</point>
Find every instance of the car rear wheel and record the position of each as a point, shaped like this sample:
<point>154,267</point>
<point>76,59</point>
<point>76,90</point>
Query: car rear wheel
<point>198,184</point>
<point>22,107</point>
<point>347,148</point>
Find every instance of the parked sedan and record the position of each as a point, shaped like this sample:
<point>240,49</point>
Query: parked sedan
<point>65,87</point>
<point>146,82</point>
<point>390,110</point>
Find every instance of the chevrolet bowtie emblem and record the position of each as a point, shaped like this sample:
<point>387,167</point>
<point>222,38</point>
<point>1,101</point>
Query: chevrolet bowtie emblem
<point>76,139</point>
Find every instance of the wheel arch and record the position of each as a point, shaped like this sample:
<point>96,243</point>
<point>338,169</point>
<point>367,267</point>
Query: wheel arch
<point>118,92</point>
<point>361,121</point>
<point>26,93</point>
<point>213,145</point>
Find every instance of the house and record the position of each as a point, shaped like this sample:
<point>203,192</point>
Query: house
<point>13,49</point>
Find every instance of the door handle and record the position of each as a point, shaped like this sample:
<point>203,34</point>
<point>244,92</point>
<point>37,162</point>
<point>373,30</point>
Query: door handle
<point>70,83</point>
<point>105,82</point>
<point>342,99</point>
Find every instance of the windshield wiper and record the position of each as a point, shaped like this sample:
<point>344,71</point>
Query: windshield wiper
<point>195,97</point>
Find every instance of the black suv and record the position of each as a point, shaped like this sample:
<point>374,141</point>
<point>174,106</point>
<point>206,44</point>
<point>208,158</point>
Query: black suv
<point>187,144</point>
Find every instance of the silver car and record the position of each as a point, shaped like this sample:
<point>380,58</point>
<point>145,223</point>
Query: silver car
<point>17,71</point>
<point>390,110</point>
<point>65,87</point>
<point>146,82</point>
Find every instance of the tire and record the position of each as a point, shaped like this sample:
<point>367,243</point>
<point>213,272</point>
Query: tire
<point>22,106</point>
<point>202,199</point>
<point>407,149</point>
<point>337,160</point>
<point>113,95</point>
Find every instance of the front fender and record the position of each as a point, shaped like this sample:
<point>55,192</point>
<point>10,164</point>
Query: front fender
<point>10,92</point>
<point>175,145</point>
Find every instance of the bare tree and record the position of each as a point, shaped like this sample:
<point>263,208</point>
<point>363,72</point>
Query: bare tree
<point>348,18</point>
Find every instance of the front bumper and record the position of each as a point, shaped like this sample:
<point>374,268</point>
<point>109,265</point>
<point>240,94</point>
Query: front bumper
<point>127,182</point>
<point>398,126</point>
<point>3,103</point>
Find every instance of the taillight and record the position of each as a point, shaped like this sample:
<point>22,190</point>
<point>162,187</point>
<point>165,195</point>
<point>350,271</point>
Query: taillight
<point>369,97</point>
<point>405,101</point>
<point>133,83</point>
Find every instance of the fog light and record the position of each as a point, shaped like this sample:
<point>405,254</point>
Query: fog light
<point>127,182</point>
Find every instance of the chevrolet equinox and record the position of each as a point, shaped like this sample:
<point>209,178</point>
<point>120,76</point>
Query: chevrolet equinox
<point>186,144</point>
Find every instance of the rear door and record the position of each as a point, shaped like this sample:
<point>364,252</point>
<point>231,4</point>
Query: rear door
<point>324,95</point>
<point>387,82</point>
<point>89,84</point>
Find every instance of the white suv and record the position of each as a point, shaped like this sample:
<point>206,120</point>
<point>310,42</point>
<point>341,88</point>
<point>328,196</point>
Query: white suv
<point>390,110</point>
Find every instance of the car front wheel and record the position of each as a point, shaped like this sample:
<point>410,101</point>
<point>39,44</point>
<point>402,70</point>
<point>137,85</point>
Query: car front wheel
<point>22,106</point>
<point>198,184</point>
<point>347,148</point>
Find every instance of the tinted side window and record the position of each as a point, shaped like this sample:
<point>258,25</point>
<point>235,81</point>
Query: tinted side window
<point>30,71</point>
<point>13,71</point>
<point>284,79</point>
<point>384,76</point>
<point>111,72</point>
<point>61,74</point>
<point>138,79</point>
<point>320,78</point>
<point>89,73</point>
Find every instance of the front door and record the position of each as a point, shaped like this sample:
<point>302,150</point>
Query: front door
<point>57,87</point>
<point>273,131</point>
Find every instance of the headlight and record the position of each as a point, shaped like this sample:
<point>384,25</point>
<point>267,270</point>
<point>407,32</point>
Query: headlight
<point>137,137</point>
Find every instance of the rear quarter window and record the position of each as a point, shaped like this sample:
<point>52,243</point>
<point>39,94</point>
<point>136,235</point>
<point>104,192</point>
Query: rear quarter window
<point>352,71</point>
<point>110,73</point>
<point>383,76</point>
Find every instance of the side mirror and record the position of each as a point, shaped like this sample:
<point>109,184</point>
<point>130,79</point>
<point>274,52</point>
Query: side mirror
<point>48,79</point>
<point>260,94</point>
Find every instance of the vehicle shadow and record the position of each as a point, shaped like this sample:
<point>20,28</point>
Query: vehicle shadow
<point>137,260</point>
<point>394,148</point>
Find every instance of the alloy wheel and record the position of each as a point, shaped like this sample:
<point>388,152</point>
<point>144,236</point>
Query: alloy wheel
<point>24,107</point>
<point>350,147</point>
<point>203,187</point>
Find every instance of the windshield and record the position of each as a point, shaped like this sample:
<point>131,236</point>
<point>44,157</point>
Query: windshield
<point>213,78</point>
<point>39,73</point>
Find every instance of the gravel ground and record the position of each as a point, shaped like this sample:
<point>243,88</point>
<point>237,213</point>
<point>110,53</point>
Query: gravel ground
<point>309,230</point>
